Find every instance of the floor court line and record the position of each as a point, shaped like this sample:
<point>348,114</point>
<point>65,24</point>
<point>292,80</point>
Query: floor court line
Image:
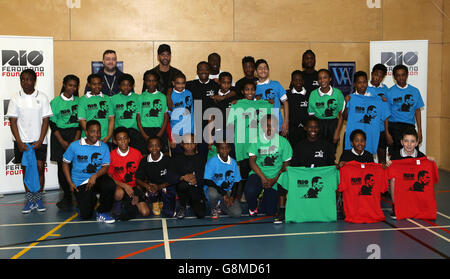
<point>428,230</point>
<point>50,233</point>
<point>220,238</point>
<point>166,239</point>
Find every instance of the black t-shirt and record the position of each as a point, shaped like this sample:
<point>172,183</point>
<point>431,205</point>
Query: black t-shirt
<point>310,81</point>
<point>182,164</point>
<point>223,106</point>
<point>298,108</point>
<point>348,155</point>
<point>154,172</point>
<point>319,153</point>
<point>239,86</point>
<point>203,92</point>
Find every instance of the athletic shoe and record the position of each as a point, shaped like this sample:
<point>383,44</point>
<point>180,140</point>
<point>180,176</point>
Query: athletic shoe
<point>105,218</point>
<point>253,212</point>
<point>214,213</point>
<point>393,214</point>
<point>181,213</point>
<point>156,209</point>
<point>279,219</point>
<point>64,205</point>
<point>39,205</point>
<point>28,207</point>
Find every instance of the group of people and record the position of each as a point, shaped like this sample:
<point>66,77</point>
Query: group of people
<point>150,153</point>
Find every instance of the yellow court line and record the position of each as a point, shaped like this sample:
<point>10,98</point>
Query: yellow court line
<point>50,233</point>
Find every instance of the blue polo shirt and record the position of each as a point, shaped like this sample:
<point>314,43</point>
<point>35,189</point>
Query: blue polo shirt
<point>86,159</point>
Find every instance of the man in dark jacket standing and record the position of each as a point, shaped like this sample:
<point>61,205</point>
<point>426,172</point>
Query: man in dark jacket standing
<point>110,74</point>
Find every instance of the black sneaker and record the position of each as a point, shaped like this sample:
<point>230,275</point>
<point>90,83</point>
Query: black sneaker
<point>181,213</point>
<point>279,219</point>
<point>393,214</point>
<point>64,205</point>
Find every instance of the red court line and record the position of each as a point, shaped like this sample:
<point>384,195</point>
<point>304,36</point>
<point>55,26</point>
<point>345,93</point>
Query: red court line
<point>429,222</point>
<point>190,236</point>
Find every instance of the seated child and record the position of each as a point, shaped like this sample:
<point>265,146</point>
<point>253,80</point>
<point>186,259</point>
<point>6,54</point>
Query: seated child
<point>90,159</point>
<point>187,171</point>
<point>152,175</point>
<point>268,158</point>
<point>130,199</point>
<point>222,178</point>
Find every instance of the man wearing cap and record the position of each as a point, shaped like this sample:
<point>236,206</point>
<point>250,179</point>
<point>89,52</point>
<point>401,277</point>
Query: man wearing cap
<point>164,70</point>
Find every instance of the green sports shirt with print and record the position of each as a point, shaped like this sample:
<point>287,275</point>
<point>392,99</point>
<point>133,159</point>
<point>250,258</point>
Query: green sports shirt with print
<point>152,107</point>
<point>125,109</point>
<point>326,106</point>
<point>311,193</point>
<point>270,154</point>
<point>65,112</point>
<point>97,107</point>
<point>245,115</point>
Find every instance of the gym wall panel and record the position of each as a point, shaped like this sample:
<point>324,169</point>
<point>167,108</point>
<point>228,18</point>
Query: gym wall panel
<point>75,58</point>
<point>444,149</point>
<point>47,18</point>
<point>302,20</point>
<point>153,20</point>
<point>412,20</point>
<point>434,90</point>
<point>434,143</point>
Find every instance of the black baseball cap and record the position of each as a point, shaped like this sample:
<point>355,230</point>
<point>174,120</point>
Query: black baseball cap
<point>163,48</point>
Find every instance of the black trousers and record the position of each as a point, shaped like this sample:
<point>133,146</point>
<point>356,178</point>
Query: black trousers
<point>193,195</point>
<point>87,199</point>
<point>63,184</point>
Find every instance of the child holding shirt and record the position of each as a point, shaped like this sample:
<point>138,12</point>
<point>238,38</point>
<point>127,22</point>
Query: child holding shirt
<point>29,112</point>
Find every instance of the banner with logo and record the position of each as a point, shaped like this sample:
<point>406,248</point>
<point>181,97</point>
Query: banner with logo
<point>342,76</point>
<point>18,54</point>
<point>414,55</point>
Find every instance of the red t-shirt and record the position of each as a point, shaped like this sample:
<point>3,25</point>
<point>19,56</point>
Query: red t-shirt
<point>414,187</point>
<point>123,168</point>
<point>362,185</point>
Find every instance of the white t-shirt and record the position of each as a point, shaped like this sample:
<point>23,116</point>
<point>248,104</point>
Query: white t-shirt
<point>29,110</point>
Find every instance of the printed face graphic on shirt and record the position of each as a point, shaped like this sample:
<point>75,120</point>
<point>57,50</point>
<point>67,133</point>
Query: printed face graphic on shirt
<point>95,162</point>
<point>130,110</point>
<point>269,94</point>
<point>156,109</point>
<point>317,186</point>
<point>371,114</point>
<point>407,104</point>
<point>270,155</point>
<point>103,110</point>
<point>74,115</point>
<point>366,190</point>
<point>131,171</point>
<point>331,108</point>
<point>423,179</point>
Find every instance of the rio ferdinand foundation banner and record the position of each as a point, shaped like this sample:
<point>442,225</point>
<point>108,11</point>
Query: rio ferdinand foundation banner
<point>18,54</point>
<point>414,55</point>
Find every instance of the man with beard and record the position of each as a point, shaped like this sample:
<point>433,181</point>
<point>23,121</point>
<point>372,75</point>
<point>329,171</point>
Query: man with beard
<point>110,74</point>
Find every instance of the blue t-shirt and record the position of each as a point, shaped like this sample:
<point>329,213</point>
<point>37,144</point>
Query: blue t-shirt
<point>219,172</point>
<point>365,113</point>
<point>182,114</point>
<point>380,91</point>
<point>404,102</point>
<point>273,90</point>
<point>86,159</point>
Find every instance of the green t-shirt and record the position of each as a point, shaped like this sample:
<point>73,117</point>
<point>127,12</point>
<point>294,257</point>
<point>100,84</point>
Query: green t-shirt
<point>326,107</point>
<point>152,108</point>
<point>96,107</point>
<point>311,193</point>
<point>270,154</point>
<point>245,115</point>
<point>125,109</point>
<point>65,112</point>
